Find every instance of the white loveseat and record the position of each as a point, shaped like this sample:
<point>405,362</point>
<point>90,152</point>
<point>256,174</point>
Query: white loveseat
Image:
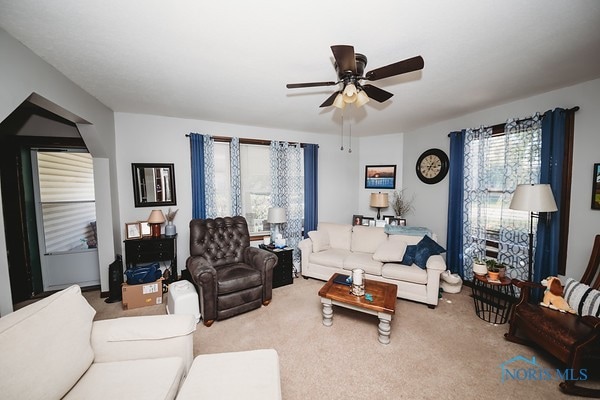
<point>52,349</point>
<point>342,247</point>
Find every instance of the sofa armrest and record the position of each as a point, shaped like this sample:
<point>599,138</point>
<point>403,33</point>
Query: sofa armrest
<point>436,262</point>
<point>153,336</point>
<point>264,261</point>
<point>306,248</point>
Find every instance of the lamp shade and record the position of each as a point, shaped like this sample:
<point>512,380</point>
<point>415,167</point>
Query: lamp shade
<point>350,93</point>
<point>534,198</point>
<point>156,217</point>
<point>276,215</point>
<point>361,99</point>
<point>339,101</point>
<point>379,200</point>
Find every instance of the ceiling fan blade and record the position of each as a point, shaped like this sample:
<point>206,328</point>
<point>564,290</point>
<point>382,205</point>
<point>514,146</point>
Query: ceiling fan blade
<point>309,84</point>
<point>329,100</point>
<point>344,58</point>
<point>401,67</point>
<point>377,94</point>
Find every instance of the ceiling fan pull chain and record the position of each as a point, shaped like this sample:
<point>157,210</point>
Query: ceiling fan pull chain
<point>342,148</point>
<point>350,139</point>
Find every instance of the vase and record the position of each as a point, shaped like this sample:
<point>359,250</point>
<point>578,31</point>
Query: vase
<point>170,229</point>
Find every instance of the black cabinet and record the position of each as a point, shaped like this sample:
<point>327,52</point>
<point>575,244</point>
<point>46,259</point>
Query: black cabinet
<point>283,271</point>
<point>149,249</point>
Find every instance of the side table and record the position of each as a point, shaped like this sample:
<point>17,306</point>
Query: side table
<point>149,249</point>
<point>493,300</point>
<point>283,271</point>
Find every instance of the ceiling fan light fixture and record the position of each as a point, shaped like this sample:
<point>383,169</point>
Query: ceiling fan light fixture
<point>361,99</point>
<point>339,101</point>
<point>350,93</point>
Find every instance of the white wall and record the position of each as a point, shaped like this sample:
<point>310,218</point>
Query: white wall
<point>431,204</point>
<point>155,139</point>
<point>23,73</point>
<point>378,150</point>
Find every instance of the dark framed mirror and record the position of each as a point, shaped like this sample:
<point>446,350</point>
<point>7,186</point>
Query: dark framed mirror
<point>153,185</point>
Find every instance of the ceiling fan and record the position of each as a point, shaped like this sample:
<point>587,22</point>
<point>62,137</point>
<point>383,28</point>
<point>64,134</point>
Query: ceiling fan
<point>350,67</point>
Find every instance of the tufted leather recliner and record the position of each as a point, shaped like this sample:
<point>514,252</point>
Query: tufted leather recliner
<point>232,277</point>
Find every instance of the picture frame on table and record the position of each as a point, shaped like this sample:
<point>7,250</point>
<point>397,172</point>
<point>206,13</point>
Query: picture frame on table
<point>596,188</point>
<point>380,177</point>
<point>388,219</point>
<point>145,228</point>
<point>398,222</point>
<point>133,230</point>
<point>357,220</point>
<point>368,221</point>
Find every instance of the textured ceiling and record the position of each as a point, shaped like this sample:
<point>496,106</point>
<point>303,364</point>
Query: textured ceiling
<point>229,61</point>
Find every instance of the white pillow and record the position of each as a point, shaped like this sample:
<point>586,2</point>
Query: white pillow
<point>390,251</point>
<point>582,298</point>
<point>320,240</point>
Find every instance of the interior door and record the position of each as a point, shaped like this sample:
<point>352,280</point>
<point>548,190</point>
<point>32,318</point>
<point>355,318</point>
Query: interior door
<point>66,217</point>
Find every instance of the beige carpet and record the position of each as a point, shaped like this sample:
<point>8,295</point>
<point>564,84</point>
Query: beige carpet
<point>445,353</point>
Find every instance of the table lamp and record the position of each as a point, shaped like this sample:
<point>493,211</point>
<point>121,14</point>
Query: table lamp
<point>275,217</point>
<point>535,198</point>
<point>154,220</point>
<point>379,201</point>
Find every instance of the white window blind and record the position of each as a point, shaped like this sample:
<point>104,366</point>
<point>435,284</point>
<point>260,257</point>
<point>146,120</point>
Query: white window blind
<point>66,183</point>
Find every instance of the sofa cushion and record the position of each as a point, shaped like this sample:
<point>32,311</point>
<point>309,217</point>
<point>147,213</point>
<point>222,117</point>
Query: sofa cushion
<point>367,239</point>
<point>364,261</point>
<point>406,273</point>
<point>46,337</point>
<point>149,379</point>
<point>425,249</point>
<point>390,251</point>
<point>320,240</point>
<point>330,258</point>
<point>340,235</point>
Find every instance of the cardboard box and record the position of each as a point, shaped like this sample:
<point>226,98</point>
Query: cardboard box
<point>147,294</point>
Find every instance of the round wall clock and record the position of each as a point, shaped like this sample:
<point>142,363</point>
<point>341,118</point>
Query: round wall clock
<point>432,166</point>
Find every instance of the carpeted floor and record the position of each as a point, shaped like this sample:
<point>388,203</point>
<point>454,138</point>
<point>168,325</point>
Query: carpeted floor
<point>445,353</point>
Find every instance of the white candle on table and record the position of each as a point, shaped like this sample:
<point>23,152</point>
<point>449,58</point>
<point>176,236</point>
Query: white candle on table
<point>357,277</point>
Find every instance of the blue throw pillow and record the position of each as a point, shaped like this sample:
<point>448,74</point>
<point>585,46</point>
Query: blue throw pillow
<point>426,248</point>
<point>421,256</point>
<point>409,255</point>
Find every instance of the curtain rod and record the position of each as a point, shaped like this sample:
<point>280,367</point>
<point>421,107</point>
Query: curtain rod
<point>248,141</point>
<point>498,127</point>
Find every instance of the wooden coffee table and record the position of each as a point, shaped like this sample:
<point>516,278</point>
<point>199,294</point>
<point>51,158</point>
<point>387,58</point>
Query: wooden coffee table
<point>383,304</point>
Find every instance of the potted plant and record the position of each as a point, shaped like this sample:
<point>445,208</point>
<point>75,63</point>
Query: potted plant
<point>479,266</point>
<point>492,269</point>
<point>400,204</point>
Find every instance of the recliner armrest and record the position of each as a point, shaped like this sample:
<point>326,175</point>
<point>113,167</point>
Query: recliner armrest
<point>261,259</point>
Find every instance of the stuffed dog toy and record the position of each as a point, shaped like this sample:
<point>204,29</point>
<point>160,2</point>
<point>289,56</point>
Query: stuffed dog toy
<point>553,295</point>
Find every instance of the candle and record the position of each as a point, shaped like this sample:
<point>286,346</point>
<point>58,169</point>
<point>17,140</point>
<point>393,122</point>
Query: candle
<point>357,276</point>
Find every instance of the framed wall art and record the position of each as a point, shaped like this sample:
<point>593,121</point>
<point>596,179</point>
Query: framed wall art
<point>596,188</point>
<point>380,177</point>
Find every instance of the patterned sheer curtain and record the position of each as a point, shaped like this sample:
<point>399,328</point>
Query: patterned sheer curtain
<point>493,167</point>
<point>287,190</point>
<point>236,177</point>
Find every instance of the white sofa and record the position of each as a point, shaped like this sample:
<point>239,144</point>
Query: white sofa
<point>342,247</point>
<point>52,349</point>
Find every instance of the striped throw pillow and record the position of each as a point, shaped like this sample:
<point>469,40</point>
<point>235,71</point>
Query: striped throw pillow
<point>582,298</point>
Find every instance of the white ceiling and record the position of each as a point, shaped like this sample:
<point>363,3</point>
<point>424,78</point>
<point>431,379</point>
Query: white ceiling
<point>229,61</point>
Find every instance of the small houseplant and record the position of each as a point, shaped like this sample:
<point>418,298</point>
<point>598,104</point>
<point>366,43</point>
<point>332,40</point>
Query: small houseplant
<point>493,269</point>
<point>479,266</point>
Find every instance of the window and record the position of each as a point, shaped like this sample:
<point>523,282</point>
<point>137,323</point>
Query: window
<point>67,199</point>
<point>255,183</point>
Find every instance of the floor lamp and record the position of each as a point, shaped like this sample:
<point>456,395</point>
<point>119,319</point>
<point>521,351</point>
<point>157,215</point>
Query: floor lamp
<point>535,198</point>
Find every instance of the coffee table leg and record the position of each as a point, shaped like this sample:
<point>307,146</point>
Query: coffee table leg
<point>384,328</point>
<point>327,312</point>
